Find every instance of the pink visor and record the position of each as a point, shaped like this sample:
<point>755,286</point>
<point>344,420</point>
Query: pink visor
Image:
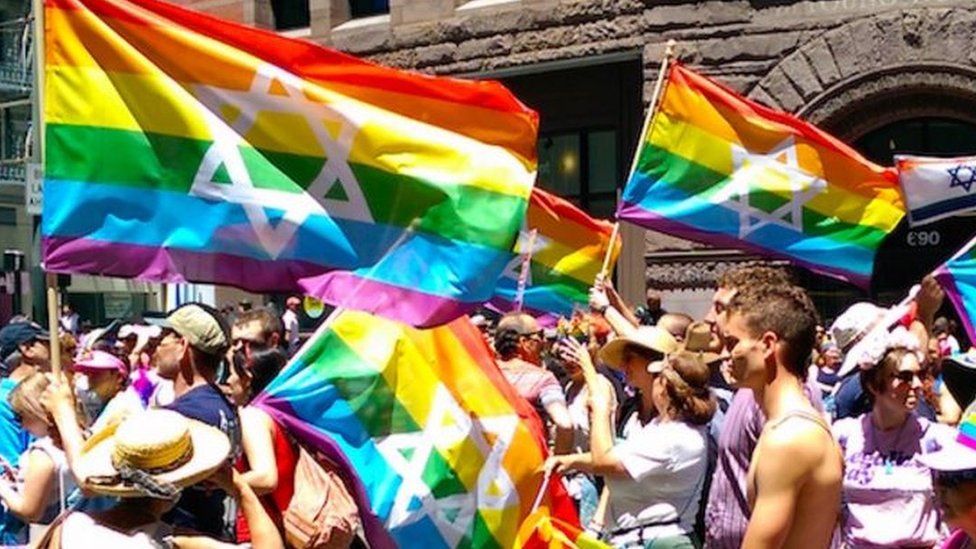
<point>100,361</point>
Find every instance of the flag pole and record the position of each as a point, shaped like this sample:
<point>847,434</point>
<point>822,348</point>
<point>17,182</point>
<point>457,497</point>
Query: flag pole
<point>524,271</point>
<point>613,240</point>
<point>37,113</point>
<point>662,76</point>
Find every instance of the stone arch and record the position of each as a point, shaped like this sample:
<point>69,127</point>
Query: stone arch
<point>879,69</point>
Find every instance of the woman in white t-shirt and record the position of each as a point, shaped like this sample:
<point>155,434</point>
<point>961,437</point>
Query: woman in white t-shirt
<point>655,475</point>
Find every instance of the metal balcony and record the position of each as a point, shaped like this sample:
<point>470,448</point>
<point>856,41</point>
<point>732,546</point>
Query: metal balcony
<point>16,58</point>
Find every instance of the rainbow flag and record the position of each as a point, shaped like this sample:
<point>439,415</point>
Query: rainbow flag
<point>444,452</point>
<point>543,531</point>
<point>566,255</point>
<point>717,168</point>
<point>179,147</point>
<point>958,279</point>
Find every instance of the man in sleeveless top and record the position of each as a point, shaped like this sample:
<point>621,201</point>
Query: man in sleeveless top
<point>738,427</point>
<point>794,480</point>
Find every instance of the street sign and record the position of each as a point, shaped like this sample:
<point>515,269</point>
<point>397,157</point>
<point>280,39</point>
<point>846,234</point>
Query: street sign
<point>35,189</point>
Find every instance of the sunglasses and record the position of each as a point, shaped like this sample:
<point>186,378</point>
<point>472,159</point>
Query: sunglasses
<point>907,376</point>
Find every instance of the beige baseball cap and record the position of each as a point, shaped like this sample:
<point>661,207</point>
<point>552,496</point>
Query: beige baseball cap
<point>200,327</point>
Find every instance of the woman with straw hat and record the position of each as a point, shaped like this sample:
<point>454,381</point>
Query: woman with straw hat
<point>146,460</point>
<point>654,476</point>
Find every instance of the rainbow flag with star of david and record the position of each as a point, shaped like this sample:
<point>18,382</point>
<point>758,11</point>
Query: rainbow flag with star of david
<point>179,147</point>
<point>717,168</point>
<point>957,276</point>
<point>567,253</point>
<point>440,449</point>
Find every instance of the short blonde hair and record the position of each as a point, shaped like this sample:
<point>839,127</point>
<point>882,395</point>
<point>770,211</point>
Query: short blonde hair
<point>25,399</point>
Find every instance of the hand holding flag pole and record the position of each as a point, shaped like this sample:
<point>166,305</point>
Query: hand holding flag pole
<point>662,75</point>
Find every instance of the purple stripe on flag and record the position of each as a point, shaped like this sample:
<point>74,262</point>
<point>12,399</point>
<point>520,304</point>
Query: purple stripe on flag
<point>638,215</point>
<point>341,288</point>
<point>948,282</point>
<point>281,411</point>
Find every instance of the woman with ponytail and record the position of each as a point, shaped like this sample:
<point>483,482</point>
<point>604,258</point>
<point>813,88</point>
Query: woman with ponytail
<point>656,473</point>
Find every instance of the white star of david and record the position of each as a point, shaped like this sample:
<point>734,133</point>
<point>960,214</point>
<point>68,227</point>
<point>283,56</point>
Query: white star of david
<point>296,206</point>
<point>448,426</point>
<point>777,171</point>
<point>514,267</point>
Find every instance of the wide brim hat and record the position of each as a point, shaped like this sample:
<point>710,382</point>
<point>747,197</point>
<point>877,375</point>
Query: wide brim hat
<point>859,328</point>
<point>97,464</point>
<point>651,338</point>
<point>959,454</point>
<point>702,341</point>
<point>959,376</point>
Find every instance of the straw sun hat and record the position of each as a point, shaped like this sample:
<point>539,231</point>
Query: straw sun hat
<point>152,453</point>
<point>650,338</point>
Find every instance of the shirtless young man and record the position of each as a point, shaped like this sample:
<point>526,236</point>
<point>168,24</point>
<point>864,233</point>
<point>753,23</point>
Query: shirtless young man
<point>794,481</point>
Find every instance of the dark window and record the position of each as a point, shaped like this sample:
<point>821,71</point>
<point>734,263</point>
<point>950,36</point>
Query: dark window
<point>290,14</point>
<point>922,136</point>
<point>365,8</point>
<point>581,166</point>
<point>8,216</point>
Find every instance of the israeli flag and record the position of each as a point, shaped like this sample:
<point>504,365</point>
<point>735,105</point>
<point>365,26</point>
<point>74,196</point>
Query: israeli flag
<point>936,188</point>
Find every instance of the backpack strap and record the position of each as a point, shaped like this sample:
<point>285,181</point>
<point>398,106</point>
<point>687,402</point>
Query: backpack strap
<point>52,537</point>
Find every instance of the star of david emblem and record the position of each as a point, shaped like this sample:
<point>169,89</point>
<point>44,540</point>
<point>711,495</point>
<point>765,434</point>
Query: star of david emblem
<point>333,192</point>
<point>962,176</point>
<point>777,171</point>
<point>447,426</point>
<point>514,268</point>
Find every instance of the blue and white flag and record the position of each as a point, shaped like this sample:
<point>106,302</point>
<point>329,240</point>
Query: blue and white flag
<point>936,188</point>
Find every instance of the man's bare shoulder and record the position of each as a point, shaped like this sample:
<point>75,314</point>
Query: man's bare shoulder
<point>797,441</point>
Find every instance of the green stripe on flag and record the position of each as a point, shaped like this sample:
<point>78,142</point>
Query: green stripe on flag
<point>694,179</point>
<point>152,161</point>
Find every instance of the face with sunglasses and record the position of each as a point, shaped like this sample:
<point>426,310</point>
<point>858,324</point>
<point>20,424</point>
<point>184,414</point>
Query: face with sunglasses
<point>899,382</point>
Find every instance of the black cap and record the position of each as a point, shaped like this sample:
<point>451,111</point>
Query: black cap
<point>18,333</point>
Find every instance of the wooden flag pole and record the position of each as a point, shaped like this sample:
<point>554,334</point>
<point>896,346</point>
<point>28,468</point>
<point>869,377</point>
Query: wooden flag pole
<point>52,323</point>
<point>662,76</point>
<point>37,109</point>
<point>524,271</point>
<point>609,254</point>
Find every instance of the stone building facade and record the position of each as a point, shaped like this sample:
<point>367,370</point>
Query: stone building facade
<point>886,76</point>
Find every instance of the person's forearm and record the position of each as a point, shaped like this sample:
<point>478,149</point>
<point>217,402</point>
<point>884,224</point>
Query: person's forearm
<point>617,303</point>
<point>264,533</point>
<point>72,439</point>
<point>621,324</point>
<point>601,438</point>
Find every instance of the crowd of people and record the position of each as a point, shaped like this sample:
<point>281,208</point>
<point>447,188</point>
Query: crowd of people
<point>754,426</point>
<point>146,439</point>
